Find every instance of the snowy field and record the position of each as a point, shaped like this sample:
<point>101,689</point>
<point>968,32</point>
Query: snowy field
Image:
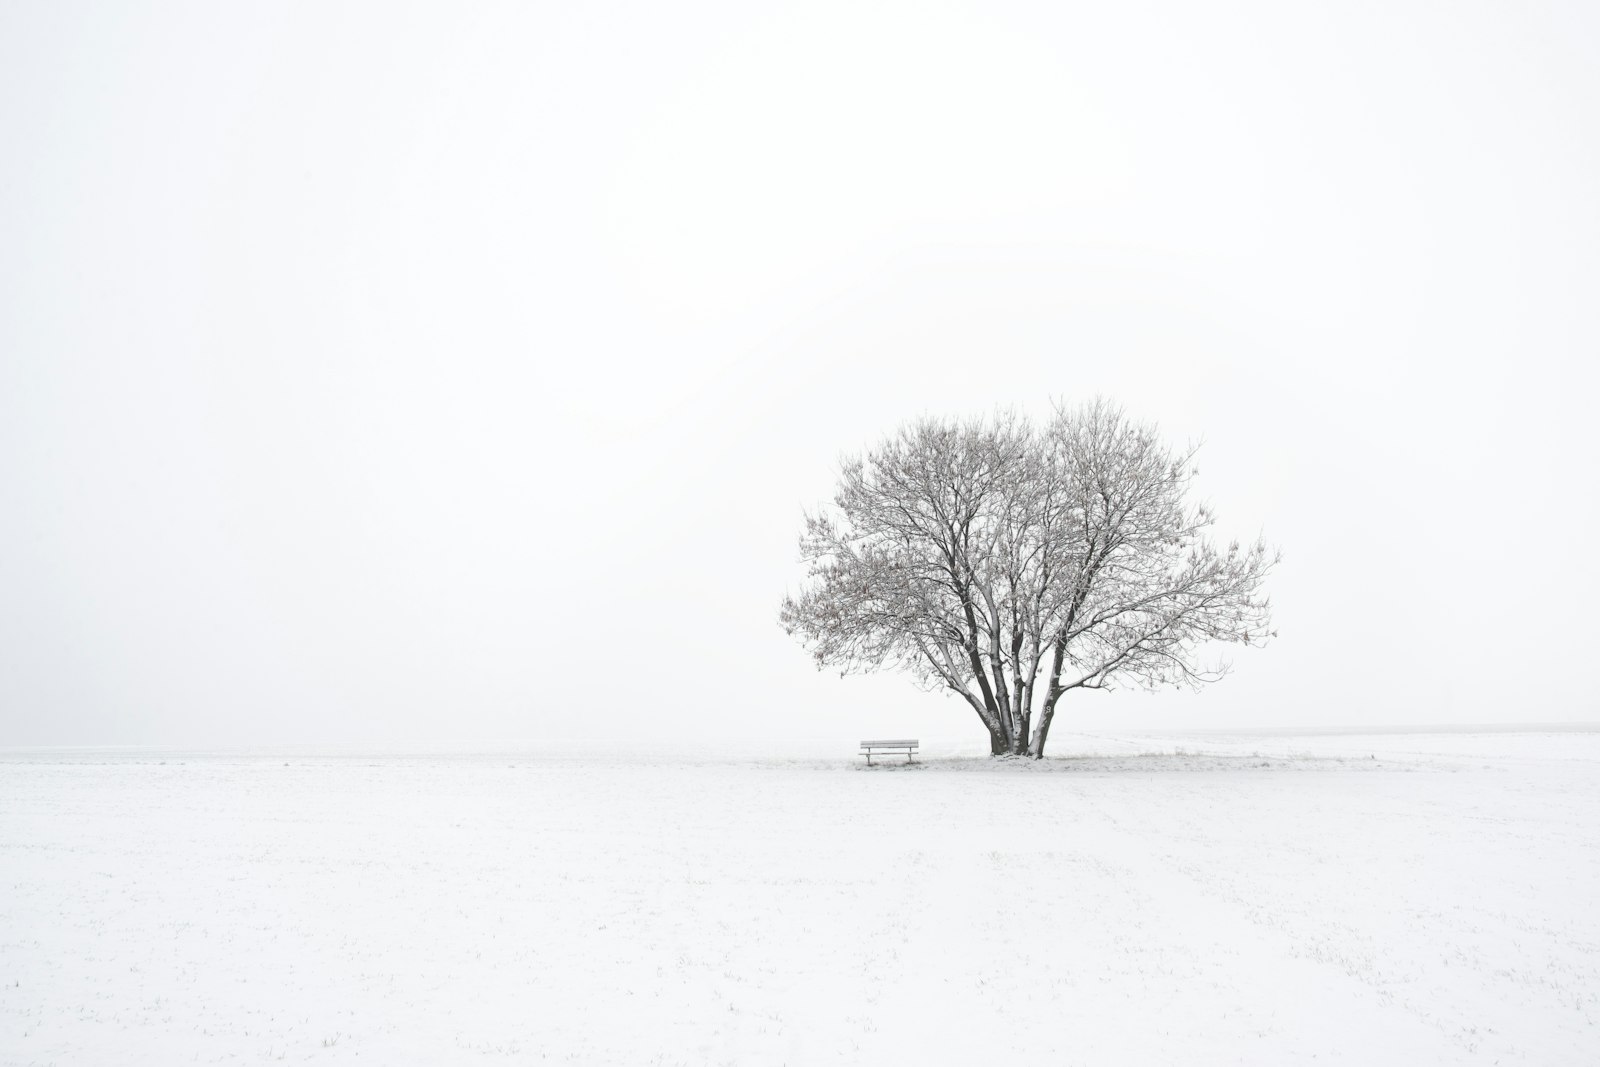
<point>1394,899</point>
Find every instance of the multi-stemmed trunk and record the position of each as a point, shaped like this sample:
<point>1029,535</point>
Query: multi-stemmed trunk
<point>1018,734</point>
<point>1032,747</point>
<point>1007,710</point>
<point>1025,743</point>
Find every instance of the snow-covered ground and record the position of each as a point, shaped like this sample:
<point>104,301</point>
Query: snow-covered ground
<point>1394,899</point>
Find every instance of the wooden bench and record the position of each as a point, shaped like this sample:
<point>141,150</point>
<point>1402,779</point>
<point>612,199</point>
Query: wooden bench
<point>880,747</point>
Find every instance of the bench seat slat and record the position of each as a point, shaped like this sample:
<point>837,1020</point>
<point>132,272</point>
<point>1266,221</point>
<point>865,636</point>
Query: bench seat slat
<point>906,746</point>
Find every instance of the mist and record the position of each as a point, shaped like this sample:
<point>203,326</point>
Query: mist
<point>376,375</point>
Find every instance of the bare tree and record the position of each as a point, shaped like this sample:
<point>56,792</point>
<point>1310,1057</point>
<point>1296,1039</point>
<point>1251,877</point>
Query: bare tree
<point>1011,564</point>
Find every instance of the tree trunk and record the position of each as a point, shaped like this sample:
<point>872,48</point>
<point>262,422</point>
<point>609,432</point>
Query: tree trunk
<point>990,719</point>
<point>1040,733</point>
<point>1019,744</point>
<point>1027,708</point>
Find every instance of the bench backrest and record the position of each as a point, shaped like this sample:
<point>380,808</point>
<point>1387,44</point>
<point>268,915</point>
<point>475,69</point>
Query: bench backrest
<point>889,744</point>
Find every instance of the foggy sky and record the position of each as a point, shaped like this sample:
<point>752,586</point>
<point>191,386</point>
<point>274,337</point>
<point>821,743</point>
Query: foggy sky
<point>372,372</point>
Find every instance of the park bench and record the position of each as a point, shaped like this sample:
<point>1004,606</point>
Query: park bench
<point>881,747</point>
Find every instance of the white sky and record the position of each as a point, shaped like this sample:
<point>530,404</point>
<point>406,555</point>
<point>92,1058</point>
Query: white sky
<point>460,371</point>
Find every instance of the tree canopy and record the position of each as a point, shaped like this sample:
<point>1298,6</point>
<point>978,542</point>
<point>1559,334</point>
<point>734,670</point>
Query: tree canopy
<point>1012,563</point>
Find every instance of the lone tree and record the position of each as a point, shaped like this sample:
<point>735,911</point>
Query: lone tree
<point>1011,564</point>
